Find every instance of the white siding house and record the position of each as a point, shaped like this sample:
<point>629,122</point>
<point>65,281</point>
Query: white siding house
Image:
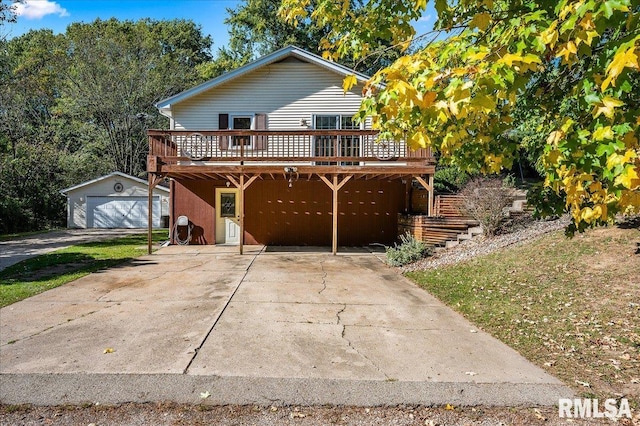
<point>290,89</point>
<point>288,92</point>
<point>116,200</point>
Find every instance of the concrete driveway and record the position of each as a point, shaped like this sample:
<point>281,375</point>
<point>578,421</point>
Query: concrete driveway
<point>204,324</point>
<point>19,249</point>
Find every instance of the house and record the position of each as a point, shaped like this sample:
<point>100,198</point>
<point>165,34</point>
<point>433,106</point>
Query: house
<point>270,154</point>
<point>116,200</point>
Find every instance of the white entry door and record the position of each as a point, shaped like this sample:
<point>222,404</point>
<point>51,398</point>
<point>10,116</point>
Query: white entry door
<point>227,216</point>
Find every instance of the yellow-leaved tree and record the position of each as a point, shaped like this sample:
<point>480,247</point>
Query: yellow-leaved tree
<point>456,88</point>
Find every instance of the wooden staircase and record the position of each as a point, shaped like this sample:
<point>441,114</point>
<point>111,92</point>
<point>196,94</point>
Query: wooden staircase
<point>449,227</point>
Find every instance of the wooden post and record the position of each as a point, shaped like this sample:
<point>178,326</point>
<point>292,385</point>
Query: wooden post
<point>241,207</point>
<point>431,197</point>
<point>334,237</point>
<point>150,218</point>
<point>335,187</point>
<point>428,187</point>
<point>152,183</point>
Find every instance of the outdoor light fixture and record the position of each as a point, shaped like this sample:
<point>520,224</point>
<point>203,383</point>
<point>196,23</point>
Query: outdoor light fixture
<point>290,171</point>
<point>303,122</point>
<point>228,184</point>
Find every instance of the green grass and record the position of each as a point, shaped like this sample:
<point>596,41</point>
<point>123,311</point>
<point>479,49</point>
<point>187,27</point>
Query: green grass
<point>47,271</point>
<point>568,305</point>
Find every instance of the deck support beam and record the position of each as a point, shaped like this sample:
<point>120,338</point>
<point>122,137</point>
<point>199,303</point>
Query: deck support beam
<point>241,185</point>
<point>241,207</point>
<point>428,187</point>
<point>335,186</point>
<point>153,181</point>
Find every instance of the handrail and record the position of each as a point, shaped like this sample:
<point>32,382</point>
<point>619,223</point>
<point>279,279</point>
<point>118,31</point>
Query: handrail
<point>318,146</point>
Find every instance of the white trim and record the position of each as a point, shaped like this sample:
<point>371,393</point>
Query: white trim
<point>120,174</point>
<point>164,106</point>
<point>251,116</point>
<point>338,127</point>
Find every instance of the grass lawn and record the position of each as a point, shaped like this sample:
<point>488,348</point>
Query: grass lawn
<point>44,272</point>
<point>571,306</point>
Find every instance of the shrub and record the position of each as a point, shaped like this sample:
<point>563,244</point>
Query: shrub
<point>410,250</point>
<point>449,179</point>
<point>485,200</point>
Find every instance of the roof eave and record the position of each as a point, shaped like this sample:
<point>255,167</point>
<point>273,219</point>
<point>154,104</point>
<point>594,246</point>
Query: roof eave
<point>165,105</point>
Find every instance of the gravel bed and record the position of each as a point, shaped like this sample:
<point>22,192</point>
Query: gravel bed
<point>482,245</point>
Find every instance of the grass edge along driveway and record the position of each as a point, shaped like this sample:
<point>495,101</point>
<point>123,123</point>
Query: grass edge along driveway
<point>50,270</point>
<point>568,305</point>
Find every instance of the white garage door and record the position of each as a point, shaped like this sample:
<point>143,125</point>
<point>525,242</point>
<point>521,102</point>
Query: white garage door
<point>121,212</point>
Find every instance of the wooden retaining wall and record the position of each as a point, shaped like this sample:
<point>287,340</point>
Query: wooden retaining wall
<point>433,230</point>
<point>448,221</point>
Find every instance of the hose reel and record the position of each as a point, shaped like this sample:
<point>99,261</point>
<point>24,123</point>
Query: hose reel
<point>182,222</point>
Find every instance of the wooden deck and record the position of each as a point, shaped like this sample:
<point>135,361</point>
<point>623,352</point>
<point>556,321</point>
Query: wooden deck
<point>208,153</point>
<point>240,157</point>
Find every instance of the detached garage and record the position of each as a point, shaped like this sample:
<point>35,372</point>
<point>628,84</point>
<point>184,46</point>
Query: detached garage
<point>116,200</point>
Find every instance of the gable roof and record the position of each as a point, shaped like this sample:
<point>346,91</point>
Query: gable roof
<point>119,174</point>
<point>278,55</point>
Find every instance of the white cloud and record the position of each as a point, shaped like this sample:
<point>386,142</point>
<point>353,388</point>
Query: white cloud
<point>425,18</point>
<point>36,9</point>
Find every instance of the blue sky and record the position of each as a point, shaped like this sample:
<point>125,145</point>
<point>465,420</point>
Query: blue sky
<point>210,14</point>
<point>58,14</point>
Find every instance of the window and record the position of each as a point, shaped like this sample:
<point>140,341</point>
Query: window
<point>347,146</point>
<point>241,122</point>
<point>227,204</point>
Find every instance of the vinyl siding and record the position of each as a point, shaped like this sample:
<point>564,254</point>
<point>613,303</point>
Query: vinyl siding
<point>287,92</point>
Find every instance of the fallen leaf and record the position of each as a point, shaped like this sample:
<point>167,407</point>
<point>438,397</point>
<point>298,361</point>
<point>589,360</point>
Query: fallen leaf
<point>473,331</point>
<point>108,351</point>
<point>273,408</point>
<point>539,414</point>
<point>449,407</point>
<point>205,395</point>
<point>584,384</point>
<point>470,373</point>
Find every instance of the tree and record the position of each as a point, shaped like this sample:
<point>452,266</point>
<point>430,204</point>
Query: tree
<point>8,10</point>
<point>76,105</point>
<point>117,71</point>
<point>256,29</point>
<point>459,94</point>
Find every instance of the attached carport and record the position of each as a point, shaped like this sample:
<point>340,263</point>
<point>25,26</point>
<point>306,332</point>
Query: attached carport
<point>116,200</point>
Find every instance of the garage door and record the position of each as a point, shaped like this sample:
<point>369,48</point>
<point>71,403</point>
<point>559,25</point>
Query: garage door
<point>121,212</point>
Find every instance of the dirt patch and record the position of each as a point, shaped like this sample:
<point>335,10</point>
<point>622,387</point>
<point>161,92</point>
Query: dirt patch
<point>173,414</point>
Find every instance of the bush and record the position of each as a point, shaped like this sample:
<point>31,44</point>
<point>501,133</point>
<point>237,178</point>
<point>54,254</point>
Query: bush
<point>485,200</point>
<point>449,179</point>
<point>410,250</point>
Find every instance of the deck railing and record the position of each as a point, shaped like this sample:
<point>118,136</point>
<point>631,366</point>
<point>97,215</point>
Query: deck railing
<point>320,147</point>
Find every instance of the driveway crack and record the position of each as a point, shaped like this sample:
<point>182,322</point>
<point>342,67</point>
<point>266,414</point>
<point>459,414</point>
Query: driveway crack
<point>324,278</point>
<point>350,344</point>
<point>215,322</point>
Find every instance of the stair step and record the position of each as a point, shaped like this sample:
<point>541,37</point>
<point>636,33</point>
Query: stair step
<point>464,237</point>
<point>518,205</point>
<point>451,243</point>
<point>475,230</point>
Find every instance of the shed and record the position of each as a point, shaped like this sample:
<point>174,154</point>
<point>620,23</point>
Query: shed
<point>116,200</point>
